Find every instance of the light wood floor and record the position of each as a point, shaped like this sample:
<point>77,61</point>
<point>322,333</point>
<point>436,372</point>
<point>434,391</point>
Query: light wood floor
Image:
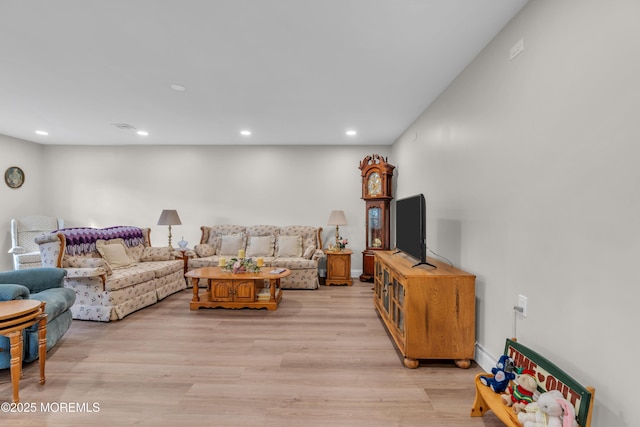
<point>322,359</point>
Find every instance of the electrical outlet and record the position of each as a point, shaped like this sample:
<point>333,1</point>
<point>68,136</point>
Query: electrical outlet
<point>522,302</point>
<point>516,49</point>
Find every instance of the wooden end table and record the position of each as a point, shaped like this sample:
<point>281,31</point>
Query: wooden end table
<point>242,290</point>
<point>338,267</point>
<point>15,317</point>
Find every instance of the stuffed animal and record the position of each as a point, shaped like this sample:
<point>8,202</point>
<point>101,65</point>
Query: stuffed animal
<point>502,375</point>
<point>520,394</point>
<point>551,410</point>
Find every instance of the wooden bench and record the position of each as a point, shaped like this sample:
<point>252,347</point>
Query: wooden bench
<point>549,377</point>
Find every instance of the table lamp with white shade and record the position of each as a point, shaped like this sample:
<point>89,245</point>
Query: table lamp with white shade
<point>337,218</point>
<point>169,217</point>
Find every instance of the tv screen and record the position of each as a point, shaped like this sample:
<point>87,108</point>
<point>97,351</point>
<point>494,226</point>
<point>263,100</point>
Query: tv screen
<point>411,227</point>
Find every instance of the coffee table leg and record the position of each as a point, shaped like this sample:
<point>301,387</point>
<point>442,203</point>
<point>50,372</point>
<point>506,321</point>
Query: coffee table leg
<point>42,345</point>
<point>196,298</point>
<point>272,289</point>
<point>16,362</point>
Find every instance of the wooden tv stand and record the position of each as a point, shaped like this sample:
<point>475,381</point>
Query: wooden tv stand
<point>429,312</point>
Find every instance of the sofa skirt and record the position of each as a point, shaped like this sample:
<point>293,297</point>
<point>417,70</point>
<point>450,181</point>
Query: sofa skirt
<point>95,304</point>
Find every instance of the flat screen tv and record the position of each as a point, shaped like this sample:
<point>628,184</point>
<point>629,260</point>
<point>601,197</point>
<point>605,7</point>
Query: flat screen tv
<point>411,228</point>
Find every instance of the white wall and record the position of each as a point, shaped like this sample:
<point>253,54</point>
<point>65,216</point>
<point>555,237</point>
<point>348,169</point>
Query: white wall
<point>279,185</point>
<point>23,201</point>
<point>530,170</point>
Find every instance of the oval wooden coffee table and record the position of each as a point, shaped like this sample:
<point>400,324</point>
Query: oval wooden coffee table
<point>237,290</point>
<point>15,317</point>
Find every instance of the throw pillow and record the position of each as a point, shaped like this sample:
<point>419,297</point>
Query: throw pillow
<point>205,250</point>
<point>308,253</point>
<point>115,255</point>
<point>151,253</point>
<point>289,246</point>
<point>231,244</point>
<point>260,246</point>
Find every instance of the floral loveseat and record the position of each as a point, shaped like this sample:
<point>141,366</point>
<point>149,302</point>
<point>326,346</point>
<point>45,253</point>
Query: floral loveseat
<point>113,271</point>
<point>295,247</point>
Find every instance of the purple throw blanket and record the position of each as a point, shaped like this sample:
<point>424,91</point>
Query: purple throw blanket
<point>83,240</point>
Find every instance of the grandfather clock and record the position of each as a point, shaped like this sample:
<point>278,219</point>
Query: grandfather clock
<point>376,192</point>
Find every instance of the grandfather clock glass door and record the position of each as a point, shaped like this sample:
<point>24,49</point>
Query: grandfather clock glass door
<point>377,235</point>
<point>374,229</point>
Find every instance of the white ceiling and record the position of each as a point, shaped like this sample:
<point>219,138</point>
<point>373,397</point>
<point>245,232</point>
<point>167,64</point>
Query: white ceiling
<point>291,71</point>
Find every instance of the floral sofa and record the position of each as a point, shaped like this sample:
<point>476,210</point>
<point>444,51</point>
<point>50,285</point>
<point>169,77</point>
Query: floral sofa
<point>295,247</point>
<point>113,271</point>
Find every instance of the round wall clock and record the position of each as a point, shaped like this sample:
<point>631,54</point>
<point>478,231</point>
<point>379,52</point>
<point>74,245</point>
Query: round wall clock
<point>14,177</point>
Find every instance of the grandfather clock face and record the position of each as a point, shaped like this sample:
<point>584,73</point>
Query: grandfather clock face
<point>374,184</point>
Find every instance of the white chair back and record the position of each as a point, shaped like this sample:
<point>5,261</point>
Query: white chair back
<point>25,251</point>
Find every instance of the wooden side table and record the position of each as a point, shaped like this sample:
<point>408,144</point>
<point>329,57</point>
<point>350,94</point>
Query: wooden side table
<point>185,254</point>
<point>339,267</point>
<point>15,317</point>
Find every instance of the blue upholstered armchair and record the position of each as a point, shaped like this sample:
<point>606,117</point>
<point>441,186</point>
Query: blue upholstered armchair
<point>43,284</point>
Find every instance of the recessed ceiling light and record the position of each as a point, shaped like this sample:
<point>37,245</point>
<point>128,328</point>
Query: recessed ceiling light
<point>42,132</point>
<point>245,132</point>
<point>178,87</point>
<point>123,126</point>
<point>143,133</point>
<point>351,132</point>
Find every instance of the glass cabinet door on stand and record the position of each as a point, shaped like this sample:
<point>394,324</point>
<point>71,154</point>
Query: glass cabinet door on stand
<point>376,192</point>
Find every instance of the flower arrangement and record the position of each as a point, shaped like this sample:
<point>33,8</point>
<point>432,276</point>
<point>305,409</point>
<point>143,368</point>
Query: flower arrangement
<point>241,265</point>
<point>341,243</point>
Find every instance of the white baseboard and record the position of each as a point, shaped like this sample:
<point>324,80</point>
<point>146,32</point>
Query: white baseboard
<point>484,359</point>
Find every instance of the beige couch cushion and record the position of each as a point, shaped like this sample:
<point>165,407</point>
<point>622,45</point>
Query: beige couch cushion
<point>289,246</point>
<point>232,243</point>
<point>204,250</point>
<point>156,254</point>
<point>74,261</point>
<point>114,253</point>
<point>294,263</point>
<point>163,269</point>
<point>308,234</point>
<point>127,277</point>
<point>135,252</point>
<point>260,246</point>
<point>213,235</point>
